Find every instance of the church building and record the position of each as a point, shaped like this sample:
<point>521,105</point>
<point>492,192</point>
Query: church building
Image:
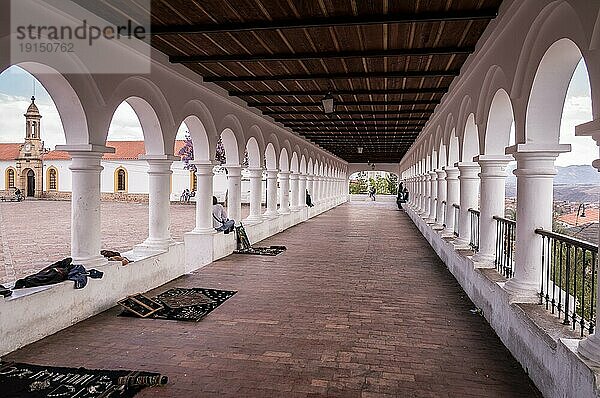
<point>42,173</point>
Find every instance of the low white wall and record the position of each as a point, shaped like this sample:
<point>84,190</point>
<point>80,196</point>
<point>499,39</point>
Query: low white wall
<point>365,198</point>
<point>32,314</point>
<point>550,359</point>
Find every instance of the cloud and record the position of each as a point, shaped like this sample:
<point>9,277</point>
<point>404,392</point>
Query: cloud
<point>577,110</point>
<point>12,121</point>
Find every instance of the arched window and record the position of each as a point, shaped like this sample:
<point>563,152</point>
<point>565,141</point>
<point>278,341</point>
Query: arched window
<point>120,180</point>
<point>10,178</point>
<point>52,179</point>
<point>193,181</point>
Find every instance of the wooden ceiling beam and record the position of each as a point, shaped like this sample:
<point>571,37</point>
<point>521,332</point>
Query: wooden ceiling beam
<point>353,20</point>
<point>327,122</point>
<point>348,103</point>
<point>333,76</point>
<point>357,91</point>
<point>404,52</point>
<point>361,112</point>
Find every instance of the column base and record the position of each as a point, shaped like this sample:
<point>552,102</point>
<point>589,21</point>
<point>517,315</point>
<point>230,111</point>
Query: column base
<point>484,260</point>
<point>430,220</point>
<point>271,215</point>
<point>252,220</point>
<point>448,232</point>
<point>590,348</point>
<point>91,262</point>
<point>203,231</point>
<point>438,227</point>
<point>283,212</point>
<point>461,244</point>
<point>154,245</point>
<point>522,292</point>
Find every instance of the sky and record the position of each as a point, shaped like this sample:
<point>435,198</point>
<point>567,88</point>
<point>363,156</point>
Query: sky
<point>17,86</point>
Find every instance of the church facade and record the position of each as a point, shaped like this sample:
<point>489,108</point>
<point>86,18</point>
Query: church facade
<point>41,173</point>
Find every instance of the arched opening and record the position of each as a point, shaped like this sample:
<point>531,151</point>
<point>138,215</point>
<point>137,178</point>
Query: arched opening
<point>10,178</point>
<point>470,144</point>
<point>385,183</point>
<point>29,182</point>
<point>120,182</point>
<point>52,179</point>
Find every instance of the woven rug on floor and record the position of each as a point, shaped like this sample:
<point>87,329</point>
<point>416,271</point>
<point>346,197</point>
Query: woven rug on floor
<point>262,251</point>
<point>188,304</point>
<point>19,380</point>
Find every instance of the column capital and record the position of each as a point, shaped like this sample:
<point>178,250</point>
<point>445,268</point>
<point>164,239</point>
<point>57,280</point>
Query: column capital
<point>294,175</point>
<point>451,173</point>
<point>159,166</point>
<point>468,170</point>
<point>233,170</point>
<point>441,174</point>
<point>432,175</point>
<point>537,160</point>
<point>85,148</point>
<point>284,174</point>
<point>203,169</point>
<point>159,158</point>
<point>303,177</point>
<point>493,166</point>
<point>255,172</point>
<point>272,173</point>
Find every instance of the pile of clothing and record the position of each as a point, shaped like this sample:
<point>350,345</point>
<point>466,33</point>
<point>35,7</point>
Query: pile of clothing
<point>59,271</point>
<point>115,256</point>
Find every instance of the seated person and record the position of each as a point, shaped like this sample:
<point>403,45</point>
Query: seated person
<point>309,202</point>
<point>220,220</point>
<point>185,196</point>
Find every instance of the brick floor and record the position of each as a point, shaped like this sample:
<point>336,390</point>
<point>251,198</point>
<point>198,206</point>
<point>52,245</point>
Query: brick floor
<point>36,233</point>
<point>358,306</point>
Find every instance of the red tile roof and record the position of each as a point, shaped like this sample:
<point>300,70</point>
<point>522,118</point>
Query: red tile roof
<point>124,150</point>
<point>591,216</point>
<point>9,151</point>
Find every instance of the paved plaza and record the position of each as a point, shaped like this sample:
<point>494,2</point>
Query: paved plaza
<point>36,233</point>
<point>341,313</point>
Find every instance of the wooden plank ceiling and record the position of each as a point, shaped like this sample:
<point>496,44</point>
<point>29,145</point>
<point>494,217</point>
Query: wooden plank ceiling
<point>387,63</point>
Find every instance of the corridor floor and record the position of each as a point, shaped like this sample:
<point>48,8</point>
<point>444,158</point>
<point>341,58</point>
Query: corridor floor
<point>358,306</point>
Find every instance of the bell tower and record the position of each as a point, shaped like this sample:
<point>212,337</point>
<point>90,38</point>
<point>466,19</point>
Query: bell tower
<point>29,162</point>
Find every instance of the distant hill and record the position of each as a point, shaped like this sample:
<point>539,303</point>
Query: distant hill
<point>577,183</point>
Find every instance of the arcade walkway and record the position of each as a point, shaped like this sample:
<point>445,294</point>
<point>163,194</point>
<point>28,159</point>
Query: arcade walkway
<point>359,306</point>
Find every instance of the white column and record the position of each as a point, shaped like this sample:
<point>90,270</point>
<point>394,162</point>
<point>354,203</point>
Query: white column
<point>432,196</point>
<point>317,186</point>
<point>234,189</point>
<point>85,208</point>
<point>452,197</point>
<point>204,194</point>
<point>425,186</point>
<point>159,201</point>
<point>441,197</point>
<point>271,194</point>
<point>294,179</point>
<point>493,183</point>
<point>255,215</point>
<point>590,346</point>
<point>310,178</point>
<point>469,199</point>
<point>284,192</point>
<point>302,190</point>
<point>535,176</point>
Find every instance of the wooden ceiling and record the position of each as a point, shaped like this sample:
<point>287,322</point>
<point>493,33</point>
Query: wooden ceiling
<point>386,62</point>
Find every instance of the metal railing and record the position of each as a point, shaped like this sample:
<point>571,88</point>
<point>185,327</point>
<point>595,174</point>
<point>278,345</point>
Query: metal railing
<point>568,287</point>
<point>505,246</point>
<point>474,242</point>
<point>443,218</point>
<point>456,218</point>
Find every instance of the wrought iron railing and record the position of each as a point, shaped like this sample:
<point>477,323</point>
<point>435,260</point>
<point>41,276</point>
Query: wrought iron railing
<point>569,279</point>
<point>442,220</point>
<point>474,243</point>
<point>456,218</point>
<point>505,246</point>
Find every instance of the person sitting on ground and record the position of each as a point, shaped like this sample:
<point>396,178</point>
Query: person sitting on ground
<point>185,196</point>
<point>309,202</point>
<point>220,220</point>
